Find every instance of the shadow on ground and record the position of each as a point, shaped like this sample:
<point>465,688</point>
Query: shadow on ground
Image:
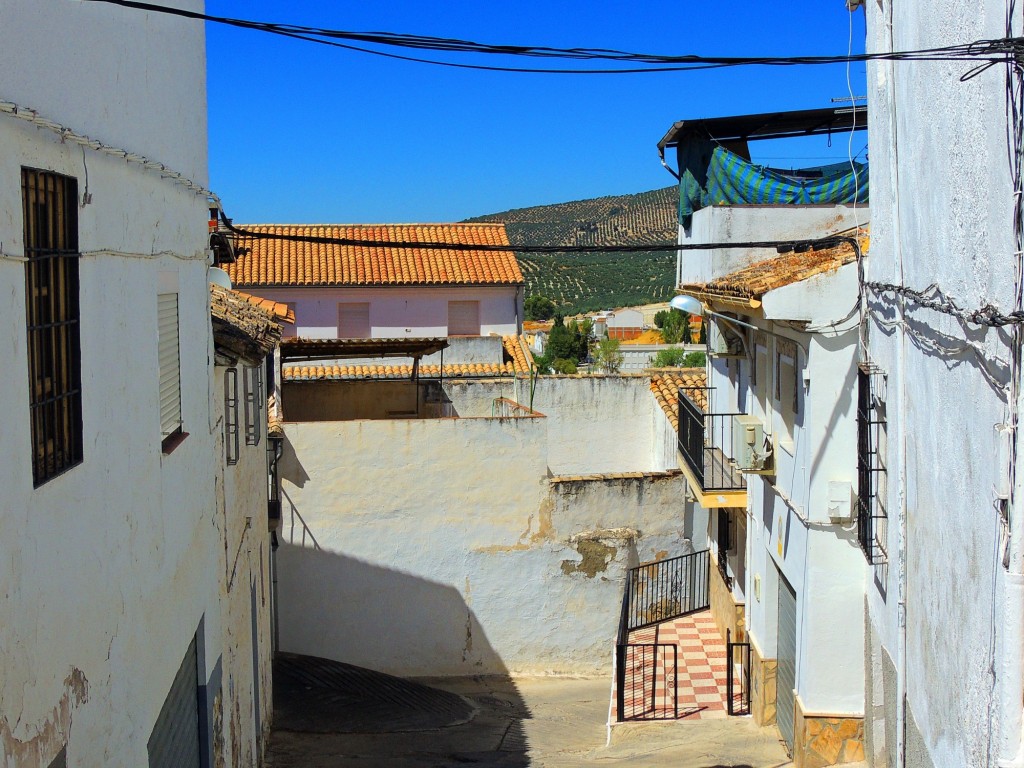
<point>328,714</point>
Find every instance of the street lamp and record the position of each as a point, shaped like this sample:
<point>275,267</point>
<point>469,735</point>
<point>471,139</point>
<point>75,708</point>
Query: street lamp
<point>692,305</point>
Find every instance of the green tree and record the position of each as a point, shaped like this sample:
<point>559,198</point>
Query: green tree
<point>607,355</point>
<point>561,365</point>
<point>695,360</point>
<point>539,308</point>
<point>560,342</point>
<point>673,325</point>
<point>669,358</point>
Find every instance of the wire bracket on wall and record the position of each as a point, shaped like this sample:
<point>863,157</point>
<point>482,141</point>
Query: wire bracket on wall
<point>67,135</point>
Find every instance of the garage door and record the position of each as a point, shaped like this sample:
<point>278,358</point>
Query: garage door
<point>174,742</point>
<point>786,680</point>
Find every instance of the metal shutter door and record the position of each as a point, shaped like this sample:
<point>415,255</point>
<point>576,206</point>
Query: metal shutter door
<point>354,321</point>
<point>170,381</point>
<point>463,318</point>
<point>786,679</point>
<point>174,742</point>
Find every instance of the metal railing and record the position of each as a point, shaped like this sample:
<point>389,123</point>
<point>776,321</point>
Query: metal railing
<point>705,441</point>
<point>656,592</point>
<point>737,682</point>
<point>667,589</point>
<point>641,667</point>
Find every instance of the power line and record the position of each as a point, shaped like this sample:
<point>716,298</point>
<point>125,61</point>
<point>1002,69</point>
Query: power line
<point>983,52</point>
<point>782,246</point>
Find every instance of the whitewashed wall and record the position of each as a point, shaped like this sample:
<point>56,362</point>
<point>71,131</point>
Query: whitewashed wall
<point>247,706</point>
<point>109,569</point>
<point>441,547</point>
<point>597,423</point>
<point>401,311</point>
<point>788,528</point>
<point>941,202</point>
<point>752,223</point>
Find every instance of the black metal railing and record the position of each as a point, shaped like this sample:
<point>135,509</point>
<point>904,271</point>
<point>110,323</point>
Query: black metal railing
<point>871,517</point>
<point>667,589</point>
<point>642,667</point>
<point>737,681</point>
<point>705,441</point>
<point>656,592</point>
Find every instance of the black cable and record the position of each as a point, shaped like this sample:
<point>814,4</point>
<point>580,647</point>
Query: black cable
<point>779,245</point>
<point>985,52</point>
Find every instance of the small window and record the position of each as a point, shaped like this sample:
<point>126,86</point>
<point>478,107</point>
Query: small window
<point>872,519</point>
<point>231,446</point>
<point>50,211</point>
<point>253,404</point>
<point>354,320</point>
<point>463,318</point>
<point>170,365</point>
<point>787,395</point>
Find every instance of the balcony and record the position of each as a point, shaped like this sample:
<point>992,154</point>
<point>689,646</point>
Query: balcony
<point>705,444</point>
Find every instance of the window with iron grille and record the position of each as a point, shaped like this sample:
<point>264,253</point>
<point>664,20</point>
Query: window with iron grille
<point>872,519</point>
<point>253,404</point>
<point>724,545</point>
<point>50,210</point>
<point>231,415</point>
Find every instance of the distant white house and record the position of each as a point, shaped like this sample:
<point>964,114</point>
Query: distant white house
<point>347,291</point>
<point>119,641</point>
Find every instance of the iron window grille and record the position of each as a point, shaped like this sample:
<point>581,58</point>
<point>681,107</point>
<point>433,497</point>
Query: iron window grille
<point>253,404</point>
<point>724,545</point>
<point>231,446</point>
<point>53,321</point>
<point>872,519</point>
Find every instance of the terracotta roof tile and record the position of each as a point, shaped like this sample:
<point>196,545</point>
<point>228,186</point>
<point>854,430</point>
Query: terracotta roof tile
<point>278,309</point>
<point>666,386</point>
<point>298,373</point>
<point>517,353</point>
<point>289,263</point>
<point>240,328</point>
<point>755,280</point>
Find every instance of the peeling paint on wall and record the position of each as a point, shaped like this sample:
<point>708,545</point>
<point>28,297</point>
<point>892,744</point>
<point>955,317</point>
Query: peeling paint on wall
<point>52,735</point>
<point>595,554</point>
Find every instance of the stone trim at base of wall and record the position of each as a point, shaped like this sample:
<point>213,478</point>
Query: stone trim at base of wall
<point>821,739</point>
<point>762,685</point>
<point>727,613</point>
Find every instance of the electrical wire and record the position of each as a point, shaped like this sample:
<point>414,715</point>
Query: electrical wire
<point>829,241</point>
<point>985,53</point>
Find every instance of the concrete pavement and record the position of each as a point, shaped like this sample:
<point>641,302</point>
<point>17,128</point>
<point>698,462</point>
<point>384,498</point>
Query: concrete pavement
<point>537,722</point>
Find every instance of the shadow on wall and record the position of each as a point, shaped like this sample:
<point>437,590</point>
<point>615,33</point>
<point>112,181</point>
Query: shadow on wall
<point>338,607</point>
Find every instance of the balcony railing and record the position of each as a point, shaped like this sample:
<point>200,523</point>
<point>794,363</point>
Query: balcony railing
<point>705,441</point>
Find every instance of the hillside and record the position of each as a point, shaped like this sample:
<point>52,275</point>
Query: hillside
<point>587,281</point>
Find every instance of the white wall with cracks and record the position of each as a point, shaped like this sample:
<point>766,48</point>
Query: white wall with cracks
<point>109,570</point>
<point>452,547</point>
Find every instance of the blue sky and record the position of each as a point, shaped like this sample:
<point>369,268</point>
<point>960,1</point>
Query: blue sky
<point>305,133</point>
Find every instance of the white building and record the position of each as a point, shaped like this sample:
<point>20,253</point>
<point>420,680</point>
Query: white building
<point>353,291</point>
<point>769,447</point>
<point>941,394</point>
<point>115,643</point>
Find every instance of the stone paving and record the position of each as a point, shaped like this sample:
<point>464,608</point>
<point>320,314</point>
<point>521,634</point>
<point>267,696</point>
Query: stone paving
<point>537,722</point>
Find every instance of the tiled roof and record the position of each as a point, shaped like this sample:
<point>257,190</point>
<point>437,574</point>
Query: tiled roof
<point>666,386</point>
<point>356,372</point>
<point>755,280</point>
<point>289,263</point>
<point>278,309</point>
<point>516,361</point>
<point>240,328</point>
<point>517,353</point>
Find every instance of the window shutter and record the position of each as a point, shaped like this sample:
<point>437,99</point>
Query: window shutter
<point>170,372</point>
<point>463,318</point>
<point>354,320</point>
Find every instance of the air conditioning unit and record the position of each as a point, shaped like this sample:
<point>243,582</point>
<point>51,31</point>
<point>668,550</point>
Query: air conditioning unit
<point>751,452</point>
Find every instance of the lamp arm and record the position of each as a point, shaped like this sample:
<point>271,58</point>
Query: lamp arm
<point>733,320</point>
